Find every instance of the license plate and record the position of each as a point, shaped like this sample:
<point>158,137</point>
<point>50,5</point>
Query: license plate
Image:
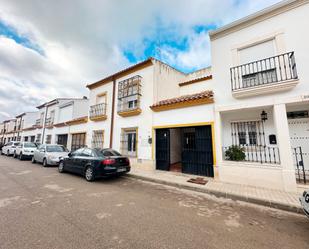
<point>121,169</point>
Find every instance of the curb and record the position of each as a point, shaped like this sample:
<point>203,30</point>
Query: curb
<point>234,197</point>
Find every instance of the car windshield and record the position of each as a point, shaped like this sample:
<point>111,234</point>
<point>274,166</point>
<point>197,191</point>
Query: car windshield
<point>55,148</point>
<point>107,153</point>
<point>29,145</point>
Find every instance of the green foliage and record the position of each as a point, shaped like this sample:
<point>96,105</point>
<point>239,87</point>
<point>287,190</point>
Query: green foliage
<point>235,153</point>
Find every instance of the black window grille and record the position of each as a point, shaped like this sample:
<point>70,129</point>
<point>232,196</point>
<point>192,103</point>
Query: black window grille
<point>274,69</point>
<point>78,141</point>
<point>97,110</point>
<point>97,139</point>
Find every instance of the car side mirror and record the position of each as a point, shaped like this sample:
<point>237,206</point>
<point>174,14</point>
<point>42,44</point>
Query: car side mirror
<point>70,154</point>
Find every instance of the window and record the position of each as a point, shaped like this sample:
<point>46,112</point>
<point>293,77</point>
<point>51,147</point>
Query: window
<point>129,142</point>
<point>38,138</point>
<point>48,139</point>
<point>78,152</point>
<point>248,133</point>
<point>87,153</point>
<point>62,139</point>
<point>129,94</point>
<point>25,139</point>
<point>256,52</point>
<point>97,139</point>
<point>55,148</point>
<point>78,141</point>
<point>297,114</point>
<point>32,138</point>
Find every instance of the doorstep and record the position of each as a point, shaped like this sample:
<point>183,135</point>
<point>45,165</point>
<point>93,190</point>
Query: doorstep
<point>261,196</point>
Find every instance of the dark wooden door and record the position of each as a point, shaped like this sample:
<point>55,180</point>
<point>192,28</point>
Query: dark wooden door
<point>163,149</point>
<point>197,156</point>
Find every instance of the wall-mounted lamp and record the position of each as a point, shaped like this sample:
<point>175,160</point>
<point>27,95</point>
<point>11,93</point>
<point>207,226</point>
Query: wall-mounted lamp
<point>264,116</point>
<point>149,140</point>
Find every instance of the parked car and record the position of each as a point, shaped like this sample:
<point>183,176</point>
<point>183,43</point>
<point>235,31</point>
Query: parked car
<point>49,154</point>
<point>95,163</point>
<point>304,201</point>
<point>24,150</point>
<point>9,148</point>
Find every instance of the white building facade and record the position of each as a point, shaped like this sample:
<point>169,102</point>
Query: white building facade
<point>263,74</point>
<point>153,114</point>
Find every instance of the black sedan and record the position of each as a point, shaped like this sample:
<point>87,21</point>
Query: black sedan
<point>95,163</point>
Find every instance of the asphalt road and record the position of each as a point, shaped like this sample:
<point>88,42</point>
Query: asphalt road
<point>40,208</point>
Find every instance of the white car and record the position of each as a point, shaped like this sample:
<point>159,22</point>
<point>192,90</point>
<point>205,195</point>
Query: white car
<point>24,150</point>
<point>304,201</point>
<point>9,148</point>
<point>49,154</point>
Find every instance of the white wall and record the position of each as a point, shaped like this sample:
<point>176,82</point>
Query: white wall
<point>105,124</point>
<point>144,120</point>
<point>286,29</point>
<point>197,87</point>
<point>188,115</point>
<point>175,146</point>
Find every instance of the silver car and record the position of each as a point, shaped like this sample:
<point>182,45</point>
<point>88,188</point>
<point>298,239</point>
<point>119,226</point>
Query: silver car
<point>304,201</point>
<point>49,154</point>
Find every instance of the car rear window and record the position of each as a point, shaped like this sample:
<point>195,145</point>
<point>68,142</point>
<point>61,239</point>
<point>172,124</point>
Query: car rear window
<point>55,148</point>
<point>108,153</point>
<point>29,145</point>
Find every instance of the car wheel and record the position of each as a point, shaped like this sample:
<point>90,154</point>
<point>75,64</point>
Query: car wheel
<point>89,174</point>
<point>21,156</point>
<point>33,160</point>
<point>61,167</point>
<point>45,162</point>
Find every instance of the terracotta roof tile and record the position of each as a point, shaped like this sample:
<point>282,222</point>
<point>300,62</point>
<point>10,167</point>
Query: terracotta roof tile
<point>185,98</point>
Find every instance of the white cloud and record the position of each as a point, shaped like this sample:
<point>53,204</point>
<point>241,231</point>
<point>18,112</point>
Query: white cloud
<point>83,41</point>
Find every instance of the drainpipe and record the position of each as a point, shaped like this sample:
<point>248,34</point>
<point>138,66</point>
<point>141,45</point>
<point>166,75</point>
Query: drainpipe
<point>44,123</point>
<point>112,116</point>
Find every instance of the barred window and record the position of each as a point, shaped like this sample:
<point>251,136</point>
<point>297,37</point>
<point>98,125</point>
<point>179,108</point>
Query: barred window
<point>48,139</point>
<point>129,92</point>
<point>97,139</point>
<point>78,141</point>
<point>248,133</point>
<point>128,142</point>
<point>38,138</point>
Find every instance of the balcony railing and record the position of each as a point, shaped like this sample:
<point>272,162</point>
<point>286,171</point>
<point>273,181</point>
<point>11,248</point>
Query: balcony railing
<point>97,111</point>
<point>49,121</point>
<point>255,153</point>
<point>275,69</point>
<point>38,122</point>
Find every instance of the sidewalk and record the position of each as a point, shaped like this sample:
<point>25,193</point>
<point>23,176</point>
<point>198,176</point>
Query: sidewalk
<point>262,196</point>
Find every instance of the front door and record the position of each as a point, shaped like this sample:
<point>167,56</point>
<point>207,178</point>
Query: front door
<point>63,140</point>
<point>163,149</point>
<point>299,137</point>
<point>197,156</point>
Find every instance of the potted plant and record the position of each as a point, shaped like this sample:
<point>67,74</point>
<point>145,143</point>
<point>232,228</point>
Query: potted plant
<point>235,153</point>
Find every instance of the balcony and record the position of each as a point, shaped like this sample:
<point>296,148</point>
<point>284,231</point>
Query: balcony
<point>98,112</point>
<point>273,74</point>
<point>49,121</point>
<point>38,122</point>
<point>127,107</point>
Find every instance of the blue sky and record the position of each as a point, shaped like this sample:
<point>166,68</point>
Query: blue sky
<point>50,50</point>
